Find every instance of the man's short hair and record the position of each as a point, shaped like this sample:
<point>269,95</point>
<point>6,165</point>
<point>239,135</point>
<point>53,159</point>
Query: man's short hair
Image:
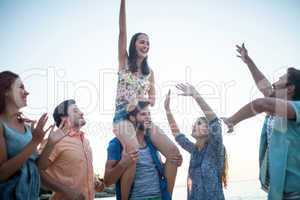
<point>140,106</point>
<point>293,78</point>
<point>62,110</point>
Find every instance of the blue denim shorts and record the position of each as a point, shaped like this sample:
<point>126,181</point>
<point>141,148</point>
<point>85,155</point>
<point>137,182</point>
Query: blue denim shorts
<point>121,113</point>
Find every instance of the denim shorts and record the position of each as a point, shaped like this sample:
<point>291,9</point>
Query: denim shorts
<point>121,113</point>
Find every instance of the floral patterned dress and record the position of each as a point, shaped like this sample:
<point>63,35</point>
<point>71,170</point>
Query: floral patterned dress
<point>131,86</point>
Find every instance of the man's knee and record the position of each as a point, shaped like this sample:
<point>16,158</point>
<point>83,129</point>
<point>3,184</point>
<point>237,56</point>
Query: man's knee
<point>123,127</point>
<point>132,147</point>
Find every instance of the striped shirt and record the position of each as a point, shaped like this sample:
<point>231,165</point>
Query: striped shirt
<point>146,181</point>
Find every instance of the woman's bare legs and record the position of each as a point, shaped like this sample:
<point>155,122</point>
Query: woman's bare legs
<point>165,146</point>
<point>126,133</point>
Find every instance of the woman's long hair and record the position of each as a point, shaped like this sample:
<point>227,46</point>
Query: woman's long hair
<point>7,78</point>
<point>132,57</point>
<point>224,174</point>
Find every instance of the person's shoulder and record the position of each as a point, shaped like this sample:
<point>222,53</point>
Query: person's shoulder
<point>114,143</point>
<point>114,149</point>
<point>179,135</point>
<point>149,142</point>
<point>216,122</point>
<point>296,108</point>
<point>115,140</point>
<point>296,104</point>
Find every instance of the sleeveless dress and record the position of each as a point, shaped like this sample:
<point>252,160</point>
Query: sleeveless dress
<point>130,87</point>
<point>25,183</point>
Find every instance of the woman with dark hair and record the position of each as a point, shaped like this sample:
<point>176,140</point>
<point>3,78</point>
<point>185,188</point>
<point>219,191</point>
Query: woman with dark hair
<point>136,83</point>
<point>19,177</point>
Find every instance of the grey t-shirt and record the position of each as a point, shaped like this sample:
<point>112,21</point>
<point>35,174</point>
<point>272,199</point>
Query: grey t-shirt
<point>146,181</point>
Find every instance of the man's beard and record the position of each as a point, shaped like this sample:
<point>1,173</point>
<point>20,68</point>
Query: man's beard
<point>140,127</point>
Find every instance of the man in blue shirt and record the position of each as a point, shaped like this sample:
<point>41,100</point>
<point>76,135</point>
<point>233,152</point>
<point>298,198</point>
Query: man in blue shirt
<point>149,182</point>
<point>280,138</point>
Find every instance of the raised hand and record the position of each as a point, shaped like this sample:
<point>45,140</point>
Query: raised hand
<point>58,134</point>
<point>187,90</point>
<point>243,53</point>
<point>228,123</point>
<point>122,43</point>
<point>167,101</point>
<point>38,132</point>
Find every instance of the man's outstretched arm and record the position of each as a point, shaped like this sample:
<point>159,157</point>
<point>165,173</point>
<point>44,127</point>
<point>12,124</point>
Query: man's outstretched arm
<point>272,106</point>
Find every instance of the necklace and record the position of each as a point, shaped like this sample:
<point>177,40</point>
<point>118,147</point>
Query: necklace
<point>142,146</point>
<point>20,117</point>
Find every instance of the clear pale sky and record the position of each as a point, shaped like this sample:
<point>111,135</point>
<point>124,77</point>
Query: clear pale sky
<point>68,49</point>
